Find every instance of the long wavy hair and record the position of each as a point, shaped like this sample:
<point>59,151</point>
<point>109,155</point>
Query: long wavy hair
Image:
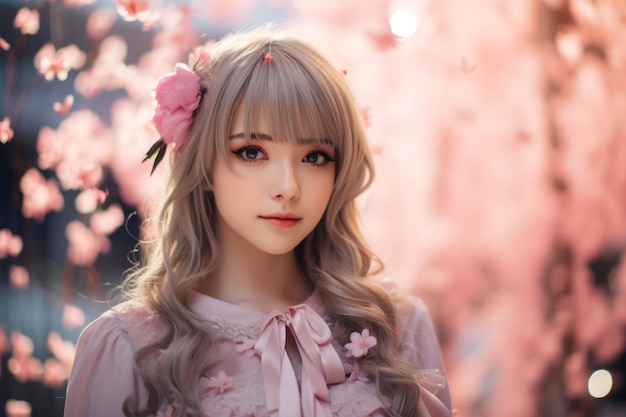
<point>301,95</point>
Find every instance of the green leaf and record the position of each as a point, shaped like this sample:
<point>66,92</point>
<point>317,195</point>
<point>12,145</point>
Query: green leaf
<point>153,149</point>
<point>159,156</point>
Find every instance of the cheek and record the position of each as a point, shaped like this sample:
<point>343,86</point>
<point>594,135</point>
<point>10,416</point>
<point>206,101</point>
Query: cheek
<point>324,190</point>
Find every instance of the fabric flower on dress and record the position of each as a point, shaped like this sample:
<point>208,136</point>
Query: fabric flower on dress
<point>178,96</point>
<point>220,383</point>
<point>246,347</point>
<point>356,373</point>
<point>359,344</point>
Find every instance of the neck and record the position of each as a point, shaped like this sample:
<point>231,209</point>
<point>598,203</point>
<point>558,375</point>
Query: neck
<point>249,277</point>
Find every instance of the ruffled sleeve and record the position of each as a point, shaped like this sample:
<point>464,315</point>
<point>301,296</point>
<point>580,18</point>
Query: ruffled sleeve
<point>421,349</point>
<point>103,374</point>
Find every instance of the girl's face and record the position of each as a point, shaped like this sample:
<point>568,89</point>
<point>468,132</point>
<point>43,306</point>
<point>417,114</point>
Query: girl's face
<point>272,195</point>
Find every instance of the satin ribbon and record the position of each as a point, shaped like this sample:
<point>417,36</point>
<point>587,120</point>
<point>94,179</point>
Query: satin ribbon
<point>321,364</point>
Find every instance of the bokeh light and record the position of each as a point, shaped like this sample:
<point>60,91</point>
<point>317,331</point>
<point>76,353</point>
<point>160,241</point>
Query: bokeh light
<point>403,24</point>
<point>600,383</point>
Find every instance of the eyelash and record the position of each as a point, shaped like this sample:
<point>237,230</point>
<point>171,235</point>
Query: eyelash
<point>239,152</point>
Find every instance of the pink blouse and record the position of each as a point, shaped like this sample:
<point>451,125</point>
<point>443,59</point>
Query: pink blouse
<point>255,377</point>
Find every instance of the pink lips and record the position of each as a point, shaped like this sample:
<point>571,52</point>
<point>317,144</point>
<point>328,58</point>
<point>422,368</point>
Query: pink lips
<point>281,219</point>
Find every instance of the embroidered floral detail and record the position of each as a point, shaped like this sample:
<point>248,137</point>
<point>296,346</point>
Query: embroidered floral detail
<point>178,96</point>
<point>359,344</point>
<point>246,347</point>
<point>220,383</point>
<point>356,373</point>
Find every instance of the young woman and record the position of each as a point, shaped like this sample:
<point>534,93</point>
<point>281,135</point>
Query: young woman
<point>259,296</point>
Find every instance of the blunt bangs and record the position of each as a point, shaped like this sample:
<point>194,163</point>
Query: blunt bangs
<point>300,96</point>
<point>294,101</point>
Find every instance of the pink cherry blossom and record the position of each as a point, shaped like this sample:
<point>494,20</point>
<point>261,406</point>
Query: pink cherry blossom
<point>228,10</point>
<point>77,3</point>
<point>76,150</point>
<point>177,35</point>
<point>89,200</point>
<point>73,317</point>
<point>356,373</point>
<point>25,368</point>
<point>90,176</point>
<point>4,45</point>
<point>17,408</point>
<point>99,23</point>
<point>21,345</point>
<point>27,21</point>
<point>40,196</point>
<point>49,148</point>
<point>360,344</point>
<point>63,350</point>
<point>6,133</point>
<point>54,373</point>
<point>131,10</point>
<point>51,62</point>
<point>84,245</point>
<point>108,70</point>
<point>220,383</point>
<point>18,276</point>
<point>64,108</point>
<point>105,222</point>
<point>177,95</point>
<point>10,245</point>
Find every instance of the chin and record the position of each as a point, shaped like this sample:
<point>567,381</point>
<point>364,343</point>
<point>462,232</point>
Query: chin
<point>278,249</point>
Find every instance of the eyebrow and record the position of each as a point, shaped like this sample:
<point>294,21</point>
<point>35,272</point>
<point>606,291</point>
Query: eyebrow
<point>253,135</point>
<point>263,136</point>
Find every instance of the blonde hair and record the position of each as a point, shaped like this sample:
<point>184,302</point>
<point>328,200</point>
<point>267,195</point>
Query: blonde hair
<point>302,96</point>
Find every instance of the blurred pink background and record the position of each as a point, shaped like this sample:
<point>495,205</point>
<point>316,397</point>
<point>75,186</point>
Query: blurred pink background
<point>499,132</point>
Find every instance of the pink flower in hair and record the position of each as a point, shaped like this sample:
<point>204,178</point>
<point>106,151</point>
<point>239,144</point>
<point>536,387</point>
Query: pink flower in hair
<point>178,96</point>
<point>359,344</point>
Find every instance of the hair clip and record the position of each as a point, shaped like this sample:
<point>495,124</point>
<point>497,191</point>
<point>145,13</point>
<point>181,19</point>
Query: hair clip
<point>268,55</point>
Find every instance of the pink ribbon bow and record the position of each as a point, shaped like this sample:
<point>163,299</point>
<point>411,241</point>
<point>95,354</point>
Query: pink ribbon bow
<point>320,363</point>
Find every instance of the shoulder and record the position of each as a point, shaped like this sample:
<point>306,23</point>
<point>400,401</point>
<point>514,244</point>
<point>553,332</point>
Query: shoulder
<point>128,322</point>
<point>141,324</point>
<point>103,374</point>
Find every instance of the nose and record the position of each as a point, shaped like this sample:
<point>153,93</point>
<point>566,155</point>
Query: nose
<point>285,183</point>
